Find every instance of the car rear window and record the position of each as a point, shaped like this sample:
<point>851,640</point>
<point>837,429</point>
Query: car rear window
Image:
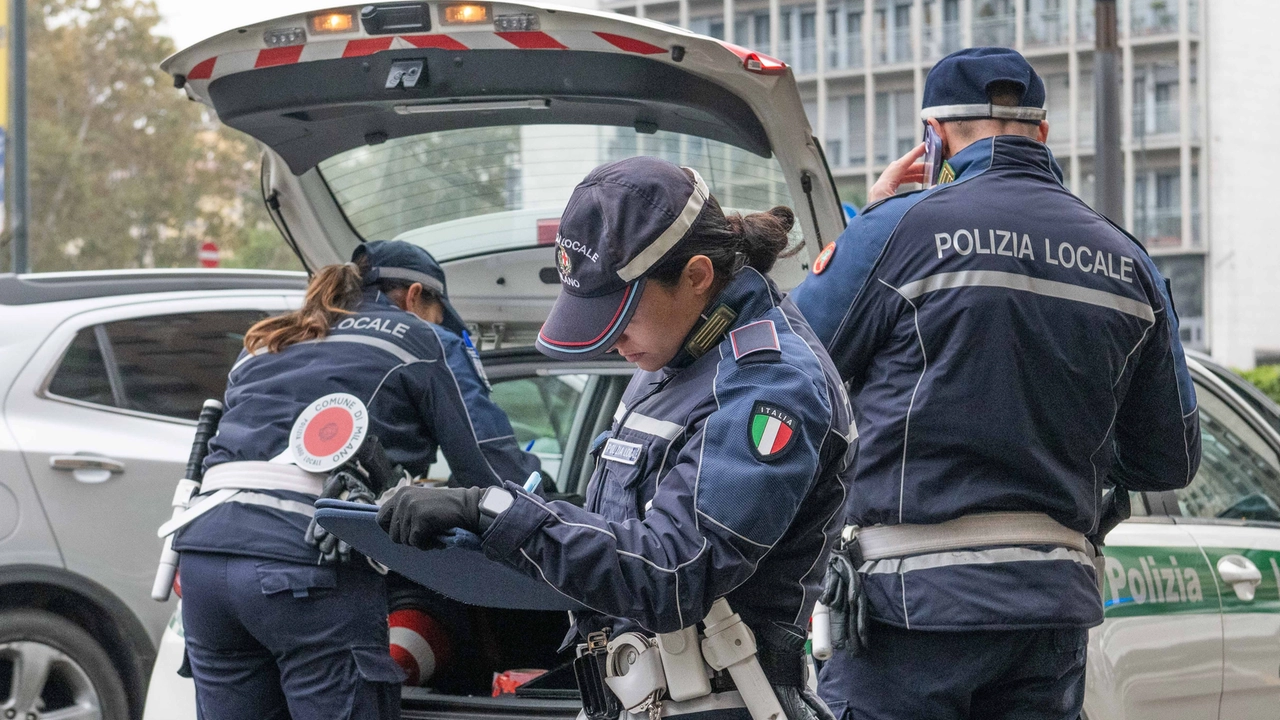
<point>467,192</point>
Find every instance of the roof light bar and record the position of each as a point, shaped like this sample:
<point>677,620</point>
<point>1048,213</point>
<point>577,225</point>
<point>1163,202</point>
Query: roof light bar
<point>445,107</point>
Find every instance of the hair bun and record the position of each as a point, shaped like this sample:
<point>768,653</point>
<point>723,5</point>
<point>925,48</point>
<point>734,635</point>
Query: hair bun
<point>764,236</point>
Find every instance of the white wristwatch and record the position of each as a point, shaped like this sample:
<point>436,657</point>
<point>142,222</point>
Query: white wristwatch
<point>493,502</point>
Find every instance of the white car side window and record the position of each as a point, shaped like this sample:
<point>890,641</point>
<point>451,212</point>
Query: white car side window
<point>1239,475</point>
<point>163,364</point>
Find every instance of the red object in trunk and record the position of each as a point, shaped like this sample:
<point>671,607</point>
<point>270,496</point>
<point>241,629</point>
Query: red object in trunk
<point>419,645</point>
<point>507,682</point>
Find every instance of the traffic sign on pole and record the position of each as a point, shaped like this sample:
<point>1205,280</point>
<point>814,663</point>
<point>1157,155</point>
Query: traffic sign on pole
<point>209,255</point>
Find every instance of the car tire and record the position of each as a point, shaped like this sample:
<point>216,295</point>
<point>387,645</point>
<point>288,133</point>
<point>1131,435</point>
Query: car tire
<point>67,668</point>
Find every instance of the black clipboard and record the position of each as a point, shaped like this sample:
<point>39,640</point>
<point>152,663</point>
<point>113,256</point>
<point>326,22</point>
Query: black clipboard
<point>459,570</point>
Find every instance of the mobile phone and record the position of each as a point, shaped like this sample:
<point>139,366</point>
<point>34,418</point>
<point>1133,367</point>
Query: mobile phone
<point>932,156</point>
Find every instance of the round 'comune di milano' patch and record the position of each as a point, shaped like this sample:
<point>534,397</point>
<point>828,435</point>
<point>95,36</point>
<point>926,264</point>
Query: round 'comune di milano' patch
<point>329,432</point>
<point>772,430</point>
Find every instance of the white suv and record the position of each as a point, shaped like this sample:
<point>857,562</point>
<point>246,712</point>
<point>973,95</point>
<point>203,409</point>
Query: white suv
<point>101,378</point>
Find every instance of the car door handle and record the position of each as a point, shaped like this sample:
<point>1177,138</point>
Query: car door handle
<point>1241,574</point>
<point>88,469</point>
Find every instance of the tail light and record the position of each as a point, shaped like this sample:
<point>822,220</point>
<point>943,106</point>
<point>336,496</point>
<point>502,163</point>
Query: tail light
<point>756,62</point>
<point>763,64</point>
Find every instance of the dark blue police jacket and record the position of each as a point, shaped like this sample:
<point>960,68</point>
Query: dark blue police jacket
<point>699,492</point>
<point>1008,349</point>
<point>423,392</point>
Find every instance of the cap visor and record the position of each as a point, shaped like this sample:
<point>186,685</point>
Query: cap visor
<point>581,328</point>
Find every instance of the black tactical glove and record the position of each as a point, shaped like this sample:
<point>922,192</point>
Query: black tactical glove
<point>417,516</point>
<point>843,595</point>
<point>361,480</point>
<point>376,470</point>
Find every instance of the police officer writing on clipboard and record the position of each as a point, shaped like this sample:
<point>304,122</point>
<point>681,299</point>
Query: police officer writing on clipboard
<point>1009,352</point>
<point>276,627</point>
<point>722,474</point>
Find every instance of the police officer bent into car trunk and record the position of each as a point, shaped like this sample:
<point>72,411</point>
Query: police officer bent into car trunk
<point>722,475</point>
<point>277,627</point>
<point>1010,352</point>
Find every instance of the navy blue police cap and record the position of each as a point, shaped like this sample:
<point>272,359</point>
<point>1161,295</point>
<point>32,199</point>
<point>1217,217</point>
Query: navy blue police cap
<point>399,260</point>
<point>624,219</point>
<point>957,87</point>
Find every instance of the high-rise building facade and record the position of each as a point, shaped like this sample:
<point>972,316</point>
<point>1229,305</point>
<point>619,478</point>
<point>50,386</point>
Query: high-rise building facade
<point>861,66</point>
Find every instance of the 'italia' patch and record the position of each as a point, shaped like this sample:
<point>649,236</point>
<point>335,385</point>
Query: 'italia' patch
<point>772,430</point>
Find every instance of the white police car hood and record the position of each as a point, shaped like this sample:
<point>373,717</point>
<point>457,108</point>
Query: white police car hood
<point>464,127</point>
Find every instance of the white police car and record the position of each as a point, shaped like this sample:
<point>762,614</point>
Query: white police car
<point>1193,579</point>
<point>463,126</point>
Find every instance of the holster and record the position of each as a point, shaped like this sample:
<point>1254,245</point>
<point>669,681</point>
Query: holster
<point>845,597</point>
<point>589,669</point>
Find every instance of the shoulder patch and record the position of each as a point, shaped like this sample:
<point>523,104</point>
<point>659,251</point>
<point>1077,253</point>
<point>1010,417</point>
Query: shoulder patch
<point>772,429</point>
<point>757,337</point>
<point>824,258</point>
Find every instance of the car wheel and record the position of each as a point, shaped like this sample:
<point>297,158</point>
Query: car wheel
<point>51,668</point>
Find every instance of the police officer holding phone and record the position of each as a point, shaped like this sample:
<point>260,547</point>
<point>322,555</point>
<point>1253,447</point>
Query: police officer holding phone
<point>277,625</point>
<point>1010,352</point>
<point>722,475</point>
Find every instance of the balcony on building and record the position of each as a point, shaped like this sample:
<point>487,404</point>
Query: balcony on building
<point>1044,24</point>
<point>940,31</point>
<point>994,23</point>
<point>1085,22</point>
<point>1156,120</point>
<point>1157,206</point>
<point>891,33</point>
<point>844,36</point>
<point>1159,227</point>
<point>798,38</point>
<point>1153,17</point>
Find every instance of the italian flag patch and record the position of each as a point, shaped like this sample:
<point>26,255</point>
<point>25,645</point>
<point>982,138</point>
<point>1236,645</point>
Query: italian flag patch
<point>772,429</point>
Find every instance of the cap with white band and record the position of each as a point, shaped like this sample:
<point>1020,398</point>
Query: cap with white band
<point>959,86</point>
<point>623,220</point>
<point>987,110</point>
<point>399,260</point>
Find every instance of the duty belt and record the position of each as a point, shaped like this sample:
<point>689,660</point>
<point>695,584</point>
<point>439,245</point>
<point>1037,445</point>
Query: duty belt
<point>981,530</point>
<point>880,542</point>
<point>236,481</point>
<point>844,606</point>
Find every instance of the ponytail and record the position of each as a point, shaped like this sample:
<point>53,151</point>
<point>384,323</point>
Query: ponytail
<point>333,292</point>
<point>757,240</point>
<point>764,236</point>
